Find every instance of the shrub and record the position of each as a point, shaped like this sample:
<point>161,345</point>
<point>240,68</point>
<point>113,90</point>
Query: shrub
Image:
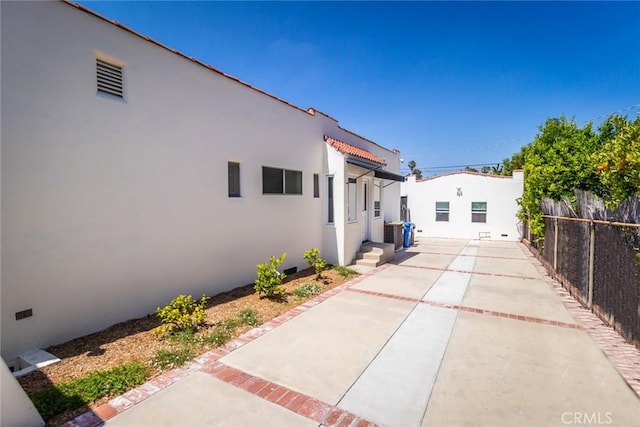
<point>182,314</point>
<point>269,279</point>
<point>222,333</point>
<point>312,256</point>
<point>249,317</point>
<point>307,289</point>
<point>168,359</point>
<point>344,271</point>
<point>76,393</point>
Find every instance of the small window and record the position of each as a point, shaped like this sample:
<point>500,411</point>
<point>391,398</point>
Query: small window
<point>478,211</point>
<point>109,78</point>
<point>352,200</point>
<point>330,219</point>
<point>442,211</point>
<point>376,200</point>
<point>234,179</point>
<point>316,185</point>
<point>281,181</point>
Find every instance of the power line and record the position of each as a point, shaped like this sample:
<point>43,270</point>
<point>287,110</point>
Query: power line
<point>528,138</point>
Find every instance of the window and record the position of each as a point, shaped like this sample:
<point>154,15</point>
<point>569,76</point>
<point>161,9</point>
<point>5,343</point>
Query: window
<point>281,181</point>
<point>352,200</point>
<point>330,219</point>
<point>234,179</point>
<point>376,200</point>
<point>109,78</point>
<point>316,185</point>
<point>478,211</point>
<point>442,211</point>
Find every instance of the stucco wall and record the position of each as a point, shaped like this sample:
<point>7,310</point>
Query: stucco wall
<point>112,207</point>
<point>500,193</point>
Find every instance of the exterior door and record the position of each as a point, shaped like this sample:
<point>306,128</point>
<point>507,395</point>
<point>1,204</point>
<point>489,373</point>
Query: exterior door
<point>366,210</point>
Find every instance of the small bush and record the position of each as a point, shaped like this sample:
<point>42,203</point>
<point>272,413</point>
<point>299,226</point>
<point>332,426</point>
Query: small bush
<point>168,359</point>
<point>307,289</point>
<point>182,314</point>
<point>249,317</point>
<point>222,333</point>
<point>269,279</point>
<point>312,256</point>
<point>344,271</point>
<point>76,393</point>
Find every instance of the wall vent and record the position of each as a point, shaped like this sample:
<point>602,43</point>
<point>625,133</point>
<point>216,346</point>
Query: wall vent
<point>109,78</point>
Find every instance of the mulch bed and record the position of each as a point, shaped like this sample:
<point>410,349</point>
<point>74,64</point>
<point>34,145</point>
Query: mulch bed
<point>136,341</point>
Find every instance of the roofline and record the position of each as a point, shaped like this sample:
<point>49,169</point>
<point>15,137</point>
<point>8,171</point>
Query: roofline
<point>175,51</point>
<point>309,111</point>
<point>487,175</point>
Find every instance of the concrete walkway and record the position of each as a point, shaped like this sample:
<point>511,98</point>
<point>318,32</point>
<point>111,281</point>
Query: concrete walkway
<point>452,333</point>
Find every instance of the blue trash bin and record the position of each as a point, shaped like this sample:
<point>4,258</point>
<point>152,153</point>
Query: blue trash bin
<point>408,228</point>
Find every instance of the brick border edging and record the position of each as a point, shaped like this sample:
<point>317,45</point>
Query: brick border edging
<point>207,362</point>
<point>468,309</point>
<point>624,356</point>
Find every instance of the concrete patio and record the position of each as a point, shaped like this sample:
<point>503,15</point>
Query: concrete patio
<point>452,333</point>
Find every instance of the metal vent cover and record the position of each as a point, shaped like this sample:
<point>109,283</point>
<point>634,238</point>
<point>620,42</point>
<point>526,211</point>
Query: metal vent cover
<point>109,78</point>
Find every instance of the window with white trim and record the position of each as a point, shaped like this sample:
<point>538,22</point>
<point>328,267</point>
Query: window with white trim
<point>377,191</point>
<point>352,200</point>
<point>442,211</point>
<point>478,211</point>
<point>234,179</point>
<point>109,78</point>
<point>281,181</point>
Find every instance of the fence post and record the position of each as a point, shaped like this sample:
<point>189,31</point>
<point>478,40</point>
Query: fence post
<point>555,245</point>
<point>592,257</point>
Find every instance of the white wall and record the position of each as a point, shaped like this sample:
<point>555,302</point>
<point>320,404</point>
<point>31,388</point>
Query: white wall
<point>111,207</point>
<point>499,192</point>
<point>16,410</point>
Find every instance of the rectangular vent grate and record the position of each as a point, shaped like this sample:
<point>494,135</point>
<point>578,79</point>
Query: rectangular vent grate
<point>109,78</point>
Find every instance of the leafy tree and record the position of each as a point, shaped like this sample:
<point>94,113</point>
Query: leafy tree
<point>470,169</point>
<point>414,171</point>
<point>618,161</point>
<point>515,162</point>
<point>557,162</point>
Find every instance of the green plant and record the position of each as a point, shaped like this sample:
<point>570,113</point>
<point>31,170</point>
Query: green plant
<point>312,256</point>
<point>169,359</point>
<point>222,333</point>
<point>269,279</point>
<point>76,393</point>
<point>249,317</point>
<point>307,289</point>
<point>344,271</point>
<point>182,314</point>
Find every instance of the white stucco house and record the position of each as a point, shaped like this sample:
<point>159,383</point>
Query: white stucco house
<point>466,205</point>
<point>132,173</point>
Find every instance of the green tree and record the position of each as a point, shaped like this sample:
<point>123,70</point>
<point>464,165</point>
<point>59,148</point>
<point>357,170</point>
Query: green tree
<point>558,161</point>
<point>617,163</point>
<point>515,162</point>
<point>414,171</point>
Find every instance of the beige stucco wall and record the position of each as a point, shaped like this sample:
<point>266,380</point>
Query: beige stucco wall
<point>112,207</point>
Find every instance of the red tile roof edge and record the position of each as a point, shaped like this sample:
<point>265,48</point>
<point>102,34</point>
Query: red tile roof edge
<point>346,148</point>
<point>488,175</point>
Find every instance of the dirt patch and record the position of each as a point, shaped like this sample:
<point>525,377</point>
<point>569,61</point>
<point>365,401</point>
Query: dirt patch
<point>136,341</point>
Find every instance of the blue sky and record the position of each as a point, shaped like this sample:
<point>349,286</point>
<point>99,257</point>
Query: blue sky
<point>446,83</point>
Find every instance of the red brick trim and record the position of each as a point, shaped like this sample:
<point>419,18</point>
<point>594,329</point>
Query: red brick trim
<point>473,309</point>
